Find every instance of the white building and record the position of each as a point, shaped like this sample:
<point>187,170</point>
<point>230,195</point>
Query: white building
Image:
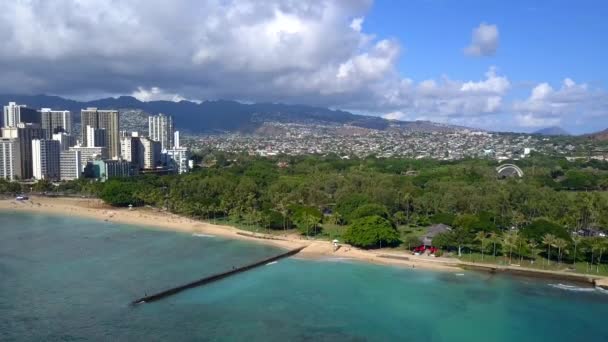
<point>70,165</point>
<point>56,121</point>
<point>151,153</point>
<point>176,139</point>
<point>65,140</point>
<point>45,159</point>
<point>24,133</point>
<point>15,114</point>
<point>178,159</point>
<point>96,137</point>
<point>160,128</point>
<point>132,150</point>
<point>10,159</point>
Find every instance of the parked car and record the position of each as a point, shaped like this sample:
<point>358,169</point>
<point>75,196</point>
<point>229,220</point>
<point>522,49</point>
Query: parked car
<point>22,198</point>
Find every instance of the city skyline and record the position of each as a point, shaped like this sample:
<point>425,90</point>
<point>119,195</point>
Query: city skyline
<point>37,144</point>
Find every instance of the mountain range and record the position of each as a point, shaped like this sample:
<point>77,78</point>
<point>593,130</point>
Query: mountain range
<point>552,131</point>
<point>228,116</point>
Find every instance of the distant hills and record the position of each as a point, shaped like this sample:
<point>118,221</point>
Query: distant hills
<point>229,116</point>
<point>554,130</point>
<point>599,136</point>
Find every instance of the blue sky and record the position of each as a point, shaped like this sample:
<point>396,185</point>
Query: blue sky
<point>498,65</point>
<point>540,41</point>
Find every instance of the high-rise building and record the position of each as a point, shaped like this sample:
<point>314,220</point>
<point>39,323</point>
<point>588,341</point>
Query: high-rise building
<point>45,159</point>
<point>25,133</point>
<point>70,165</point>
<point>132,150</point>
<point>177,159</point>
<point>10,159</point>
<point>106,169</point>
<point>56,121</point>
<point>90,153</point>
<point>160,129</point>
<point>151,153</point>
<point>96,137</point>
<point>15,114</point>
<point>65,140</point>
<point>106,119</point>
<point>176,143</point>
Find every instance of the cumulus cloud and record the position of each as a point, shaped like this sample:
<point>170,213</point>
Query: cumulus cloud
<point>547,106</point>
<point>157,94</point>
<point>446,99</point>
<point>484,41</point>
<point>316,53</point>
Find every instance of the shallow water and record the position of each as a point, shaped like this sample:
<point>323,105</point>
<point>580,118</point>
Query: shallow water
<point>64,279</point>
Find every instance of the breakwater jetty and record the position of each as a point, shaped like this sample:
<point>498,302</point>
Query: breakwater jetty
<point>215,277</point>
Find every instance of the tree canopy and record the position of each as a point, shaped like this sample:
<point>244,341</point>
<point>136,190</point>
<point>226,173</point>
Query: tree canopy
<point>371,232</point>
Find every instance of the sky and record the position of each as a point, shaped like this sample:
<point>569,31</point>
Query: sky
<point>499,65</point>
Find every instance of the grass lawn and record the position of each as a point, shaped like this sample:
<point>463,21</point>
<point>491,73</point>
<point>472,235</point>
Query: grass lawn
<point>539,263</point>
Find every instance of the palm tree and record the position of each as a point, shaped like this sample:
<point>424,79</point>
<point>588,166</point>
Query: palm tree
<point>598,245</point>
<point>534,250</point>
<point>521,241</point>
<point>481,237</point>
<point>577,240</point>
<point>311,222</point>
<point>494,238</point>
<point>549,240</point>
<point>407,199</point>
<point>560,244</point>
<point>509,239</point>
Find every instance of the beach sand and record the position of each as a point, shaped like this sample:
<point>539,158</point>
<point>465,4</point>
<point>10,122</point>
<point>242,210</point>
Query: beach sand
<point>154,218</point>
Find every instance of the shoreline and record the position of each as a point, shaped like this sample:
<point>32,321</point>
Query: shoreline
<point>314,249</point>
<point>148,218</point>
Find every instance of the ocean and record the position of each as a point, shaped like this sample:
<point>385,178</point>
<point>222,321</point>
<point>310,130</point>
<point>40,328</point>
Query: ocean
<point>67,279</point>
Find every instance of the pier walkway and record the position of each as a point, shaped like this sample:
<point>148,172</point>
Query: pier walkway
<point>215,277</point>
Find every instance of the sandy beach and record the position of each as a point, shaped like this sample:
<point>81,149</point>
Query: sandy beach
<point>314,249</point>
<point>154,218</point>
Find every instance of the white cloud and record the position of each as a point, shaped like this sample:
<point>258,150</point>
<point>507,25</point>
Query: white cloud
<point>445,99</point>
<point>357,24</point>
<point>547,106</point>
<point>155,94</point>
<point>484,41</point>
<point>492,84</point>
<point>314,53</point>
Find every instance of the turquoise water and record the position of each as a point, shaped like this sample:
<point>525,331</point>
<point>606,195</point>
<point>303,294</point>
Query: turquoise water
<point>69,279</point>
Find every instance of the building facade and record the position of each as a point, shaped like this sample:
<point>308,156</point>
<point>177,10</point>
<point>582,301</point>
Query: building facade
<point>45,159</point>
<point>177,159</point>
<point>55,121</point>
<point>160,128</point>
<point>96,137</point>
<point>151,153</point>
<point>65,140</point>
<point>106,169</point>
<point>132,150</point>
<point>25,133</point>
<point>106,119</point>
<point>90,153</point>
<point>70,165</point>
<point>10,159</point>
<point>15,114</point>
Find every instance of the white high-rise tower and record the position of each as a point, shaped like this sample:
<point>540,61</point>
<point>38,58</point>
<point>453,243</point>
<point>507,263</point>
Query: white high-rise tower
<point>160,128</point>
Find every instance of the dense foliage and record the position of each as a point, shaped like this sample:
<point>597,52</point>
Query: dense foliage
<point>555,198</point>
<point>371,231</point>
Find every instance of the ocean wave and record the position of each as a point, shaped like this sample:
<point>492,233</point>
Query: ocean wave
<point>203,235</point>
<point>574,288</point>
